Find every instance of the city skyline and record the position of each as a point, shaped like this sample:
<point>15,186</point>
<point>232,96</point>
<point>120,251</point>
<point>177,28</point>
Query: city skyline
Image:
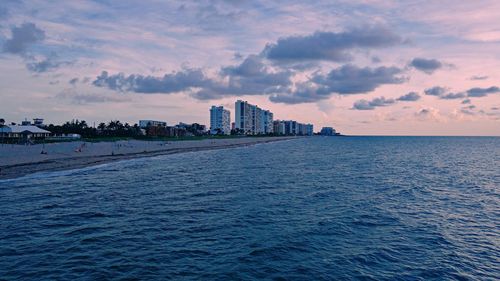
<point>365,68</point>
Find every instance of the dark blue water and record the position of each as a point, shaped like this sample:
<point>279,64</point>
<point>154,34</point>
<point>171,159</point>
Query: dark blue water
<point>404,208</point>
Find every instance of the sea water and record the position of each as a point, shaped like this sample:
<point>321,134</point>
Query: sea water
<point>318,208</point>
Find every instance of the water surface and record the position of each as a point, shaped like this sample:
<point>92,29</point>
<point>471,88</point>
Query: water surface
<point>409,208</point>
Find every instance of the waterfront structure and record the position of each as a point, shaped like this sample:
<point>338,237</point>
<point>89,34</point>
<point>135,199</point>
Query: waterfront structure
<point>252,120</point>
<point>243,117</point>
<point>165,131</point>
<point>38,122</point>
<point>309,129</point>
<point>292,128</point>
<point>267,122</point>
<point>194,129</point>
<point>22,133</point>
<point>151,123</point>
<point>59,137</point>
<point>328,131</point>
<point>278,127</point>
<point>220,120</point>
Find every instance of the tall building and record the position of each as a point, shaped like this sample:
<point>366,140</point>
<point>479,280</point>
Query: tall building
<point>243,117</point>
<point>220,120</point>
<point>252,120</point>
<point>267,122</point>
<point>309,129</point>
<point>279,127</point>
<point>256,120</point>
<point>292,128</point>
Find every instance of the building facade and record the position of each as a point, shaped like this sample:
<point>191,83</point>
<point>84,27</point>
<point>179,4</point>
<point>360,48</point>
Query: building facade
<point>292,128</point>
<point>278,127</point>
<point>151,123</point>
<point>193,129</point>
<point>243,117</point>
<point>267,122</point>
<point>328,131</point>
<point>252,120</point>
<point>22,134</point>
<point>220,120</point>
<point>309,129</point>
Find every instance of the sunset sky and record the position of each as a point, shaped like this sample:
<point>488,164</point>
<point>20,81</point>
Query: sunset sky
<point>364,67</point>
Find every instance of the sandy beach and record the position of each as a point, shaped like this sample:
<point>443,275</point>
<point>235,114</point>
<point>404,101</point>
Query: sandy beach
<point>20,160</point>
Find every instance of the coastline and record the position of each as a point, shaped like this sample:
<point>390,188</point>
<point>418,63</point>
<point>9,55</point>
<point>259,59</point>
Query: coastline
<point>62,156</point>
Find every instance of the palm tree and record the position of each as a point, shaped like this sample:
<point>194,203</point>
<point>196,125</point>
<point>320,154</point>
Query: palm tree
<point>101,126</point>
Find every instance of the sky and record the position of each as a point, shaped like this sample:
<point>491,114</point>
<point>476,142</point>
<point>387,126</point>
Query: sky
<point>369,67</point>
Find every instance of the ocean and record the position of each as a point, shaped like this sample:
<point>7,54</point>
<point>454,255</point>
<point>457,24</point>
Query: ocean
<point>318,208</point>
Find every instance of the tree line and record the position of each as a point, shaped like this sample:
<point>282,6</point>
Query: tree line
<point>114,128</point>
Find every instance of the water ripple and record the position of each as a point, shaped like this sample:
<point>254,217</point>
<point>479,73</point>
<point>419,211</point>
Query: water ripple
<point>357,208</point>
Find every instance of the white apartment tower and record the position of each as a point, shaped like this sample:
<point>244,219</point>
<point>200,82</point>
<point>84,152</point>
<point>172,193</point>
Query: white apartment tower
<point>251,119</point>
<point>267,122</point>
<point>243,116</point>
<point>220,120</point>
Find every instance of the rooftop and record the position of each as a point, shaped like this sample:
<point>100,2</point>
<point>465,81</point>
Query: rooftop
<point>20,129</point>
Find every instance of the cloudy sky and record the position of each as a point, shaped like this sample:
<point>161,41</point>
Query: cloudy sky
<point>364,67</point>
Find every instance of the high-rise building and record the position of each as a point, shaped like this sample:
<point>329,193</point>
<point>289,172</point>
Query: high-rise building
<point>292,128</point>
<point>243,117</point>
<point>256,120</point>
<point>279,127</point>
<point>220,120</point>
<point>309,129</point>
<point>267,122</point>
<point>252,120</point>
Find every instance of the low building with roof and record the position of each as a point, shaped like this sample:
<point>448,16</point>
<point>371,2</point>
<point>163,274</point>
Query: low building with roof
<point>22,133</point>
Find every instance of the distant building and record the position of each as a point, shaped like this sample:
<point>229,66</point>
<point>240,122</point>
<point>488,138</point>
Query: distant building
<point>38,122</point>
<point>243,117</point>
<point>278,127</point>
<point>328,131</point>
<point>309,129</point>
<point>220,120</point>
<point>59,137</point>
<point>193,129</point>
<point>292,128</point>
<point>165,131</point>
<point>252,120</point>
<point>267,122</point>
<point>151,123</point>
<point>22,133</point>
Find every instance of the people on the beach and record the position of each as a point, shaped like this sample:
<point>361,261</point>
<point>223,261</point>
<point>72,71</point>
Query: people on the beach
<point>79,149</point>
<point>80,152</point>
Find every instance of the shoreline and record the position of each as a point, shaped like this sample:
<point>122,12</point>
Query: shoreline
<point>19,168</point>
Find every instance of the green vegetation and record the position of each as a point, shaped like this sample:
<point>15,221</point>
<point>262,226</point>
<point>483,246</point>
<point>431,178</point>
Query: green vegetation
<point>113,129</point>
<point>116,131</point>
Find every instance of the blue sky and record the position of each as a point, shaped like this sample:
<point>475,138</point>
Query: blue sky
<point>364,67</point>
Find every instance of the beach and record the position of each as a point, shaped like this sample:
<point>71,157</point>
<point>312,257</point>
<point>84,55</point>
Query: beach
<point>21,160</point>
